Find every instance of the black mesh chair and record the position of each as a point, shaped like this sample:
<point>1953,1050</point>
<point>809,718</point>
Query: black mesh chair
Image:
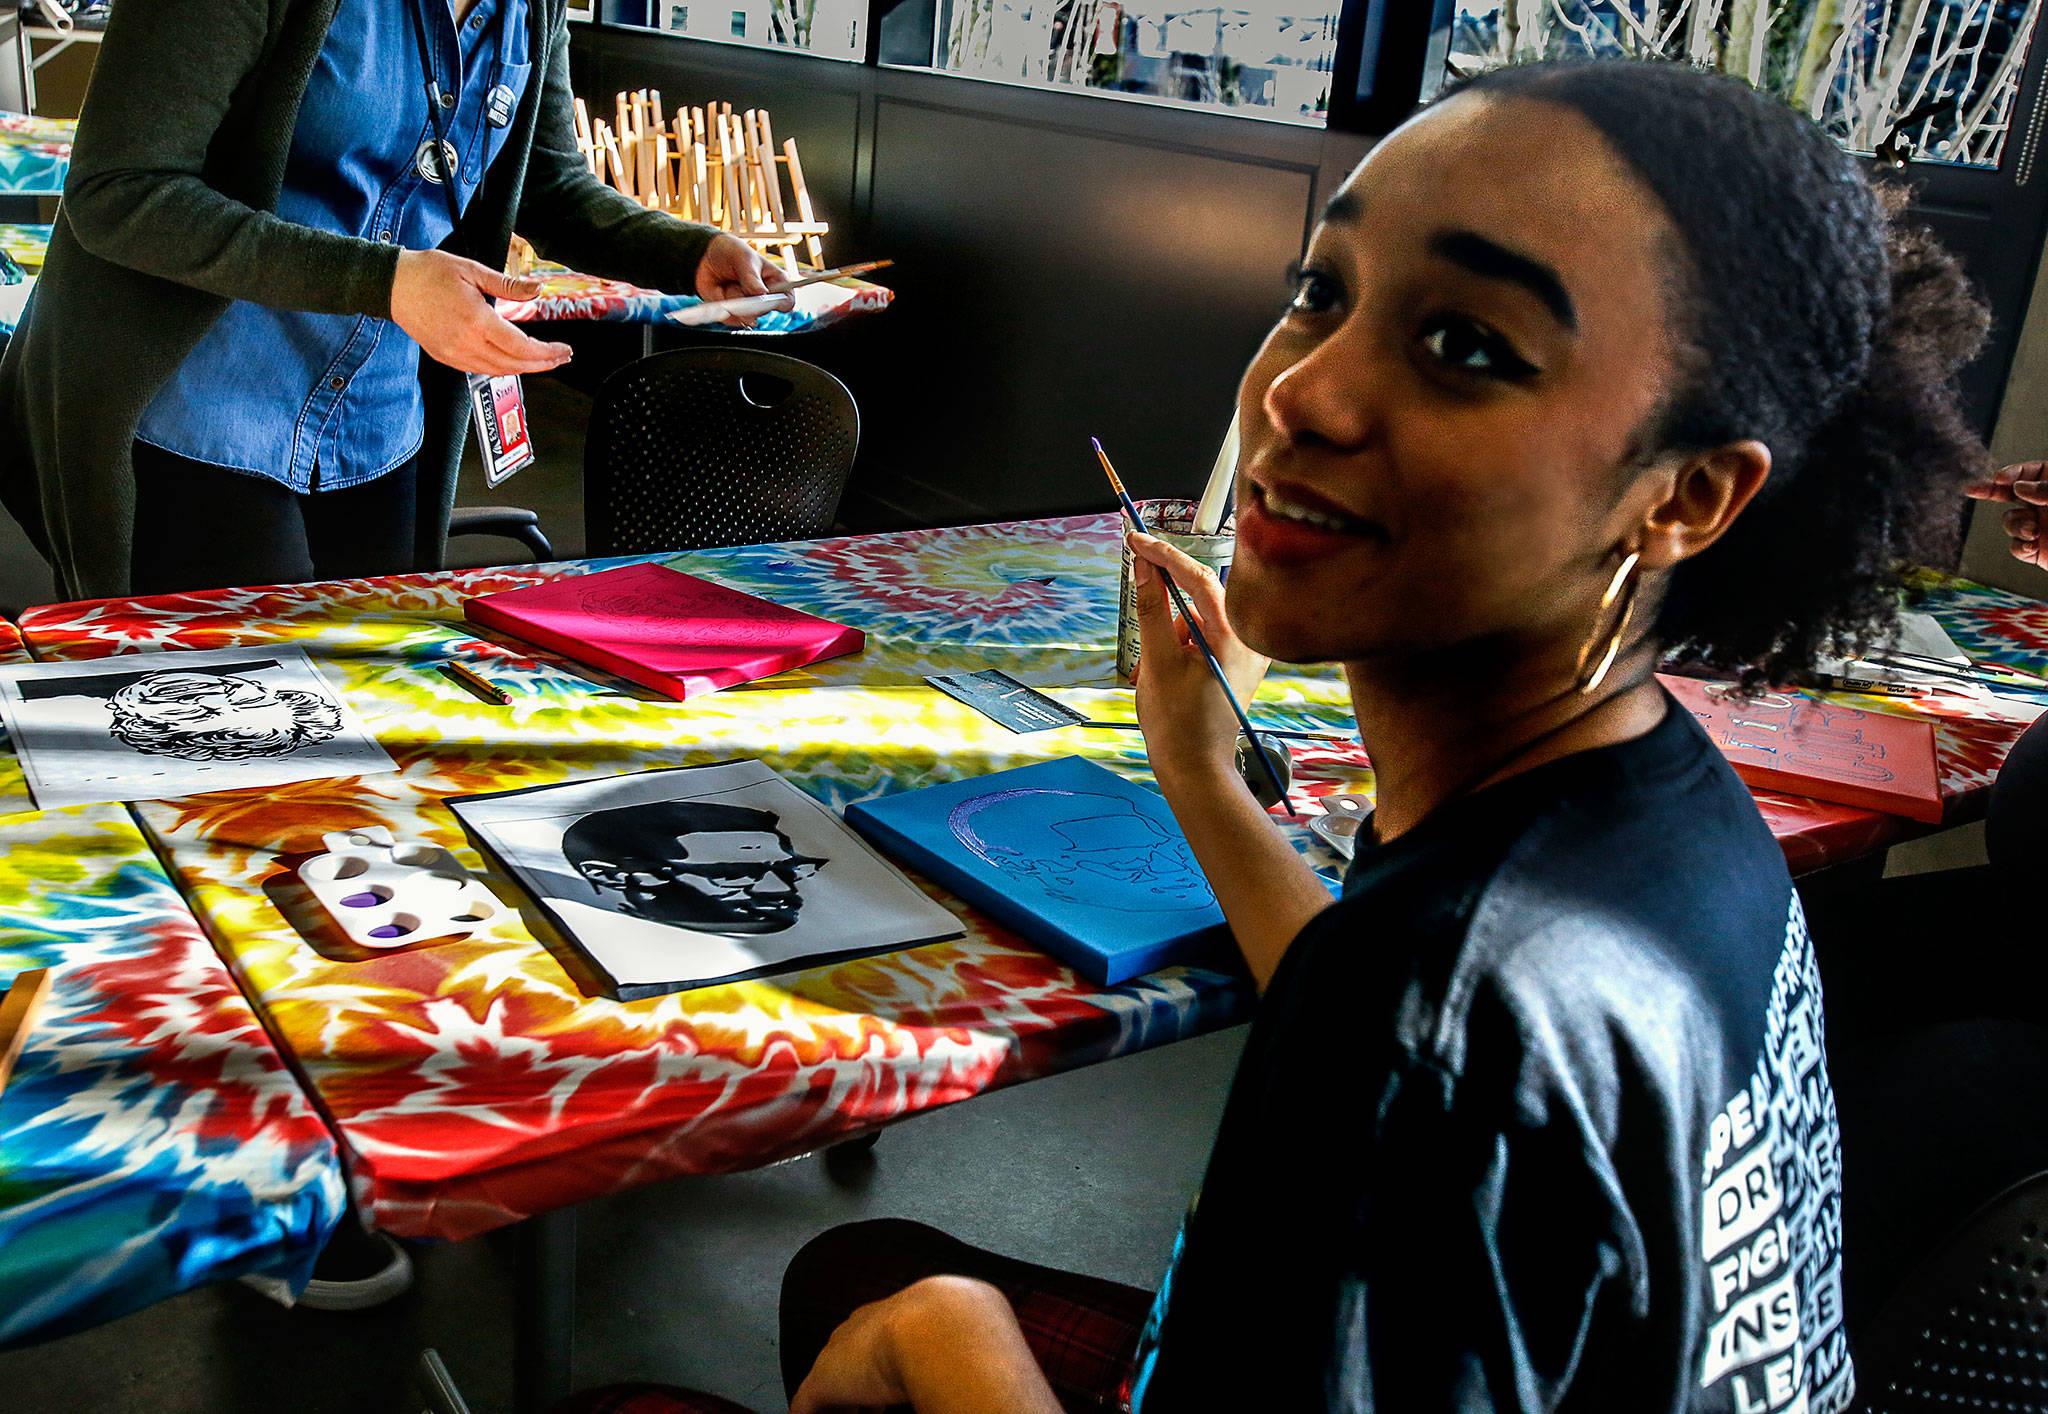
<point>1970,1329</point>
<point>512,522</point>
<point>704,447</point>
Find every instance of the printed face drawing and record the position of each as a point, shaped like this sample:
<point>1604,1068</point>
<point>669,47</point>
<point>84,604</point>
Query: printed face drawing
<point>694,864</point>
<point>209,716</point>
<point>1098,850</point>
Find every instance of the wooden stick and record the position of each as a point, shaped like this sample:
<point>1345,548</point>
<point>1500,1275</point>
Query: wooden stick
<point>689,148</point>
<point>735,210</point>
<point>625,181</point>
<point>664,188</point>
<point>764,154</point>
<point>803,200</point>
<point>582,125</point>
<point>18,1015</point>
<point>757,187</point>
<point>699,179</point>
<point>841,273</point>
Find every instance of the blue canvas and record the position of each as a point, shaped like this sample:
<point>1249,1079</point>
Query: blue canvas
<point>1068,853</point>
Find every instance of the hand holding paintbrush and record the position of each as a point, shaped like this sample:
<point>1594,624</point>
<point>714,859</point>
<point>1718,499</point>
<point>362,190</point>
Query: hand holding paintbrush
<point>1200,639</point>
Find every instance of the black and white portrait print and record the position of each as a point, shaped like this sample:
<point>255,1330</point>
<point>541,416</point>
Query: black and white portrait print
<point>694,864</point>
<point>673,879</point>
<point>155,725</point>
<point>214,714</point>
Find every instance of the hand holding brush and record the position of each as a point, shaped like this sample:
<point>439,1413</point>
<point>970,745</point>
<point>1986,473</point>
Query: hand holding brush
<point>1205,587</point>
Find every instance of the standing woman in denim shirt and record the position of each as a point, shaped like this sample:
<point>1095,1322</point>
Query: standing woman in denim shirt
<point>244,360</point>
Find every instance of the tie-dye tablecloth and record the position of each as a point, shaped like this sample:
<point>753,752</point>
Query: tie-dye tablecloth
<point>26,244</point>
<point>35,154</point>
<point>473,1084</point>
<point>568,294</point>
<point>151,1140</point>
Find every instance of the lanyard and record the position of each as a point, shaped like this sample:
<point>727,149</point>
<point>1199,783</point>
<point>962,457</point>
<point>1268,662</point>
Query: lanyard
<point>497,405</point>
<point>443,149</point>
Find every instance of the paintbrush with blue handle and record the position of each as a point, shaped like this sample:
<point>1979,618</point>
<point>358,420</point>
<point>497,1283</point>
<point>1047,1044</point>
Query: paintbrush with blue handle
<point>1195,629</point>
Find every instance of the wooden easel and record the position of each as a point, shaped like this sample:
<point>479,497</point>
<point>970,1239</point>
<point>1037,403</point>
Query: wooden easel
<point>709,164</point>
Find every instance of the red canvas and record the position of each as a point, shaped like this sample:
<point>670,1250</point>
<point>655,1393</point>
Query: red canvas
<point>1787,741</point>
<point>678,634</point>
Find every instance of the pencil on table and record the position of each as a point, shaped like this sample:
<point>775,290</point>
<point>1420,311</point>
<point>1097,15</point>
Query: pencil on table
<point>18,1016</point>
<point>477,683</point>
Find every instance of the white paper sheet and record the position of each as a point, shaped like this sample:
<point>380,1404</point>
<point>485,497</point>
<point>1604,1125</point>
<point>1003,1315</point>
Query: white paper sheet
<point>154,726</point>
<point>686,877</point>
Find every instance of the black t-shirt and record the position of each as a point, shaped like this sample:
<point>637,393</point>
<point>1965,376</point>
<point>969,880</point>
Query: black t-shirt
<point>1534,1118</point>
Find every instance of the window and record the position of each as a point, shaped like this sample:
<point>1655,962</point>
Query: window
<point>1271,58</point>
<point>1934,80</point>
<point>831,29</point>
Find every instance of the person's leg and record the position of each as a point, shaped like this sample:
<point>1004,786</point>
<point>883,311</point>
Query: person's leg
<point>199,526</point>
<point>647,1399</point>
<point>1083,1330</point>
<point>365,530</point>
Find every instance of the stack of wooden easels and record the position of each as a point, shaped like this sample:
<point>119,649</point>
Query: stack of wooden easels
<point>708,164</point>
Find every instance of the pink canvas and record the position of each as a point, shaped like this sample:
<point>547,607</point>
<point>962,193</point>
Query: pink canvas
<point>1787,741</point>
<point>673,632</point>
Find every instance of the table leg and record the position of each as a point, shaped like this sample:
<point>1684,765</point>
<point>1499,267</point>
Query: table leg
<point>544,1311</point>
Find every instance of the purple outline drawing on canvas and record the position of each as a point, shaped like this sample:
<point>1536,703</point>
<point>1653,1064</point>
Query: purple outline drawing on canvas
<point>1099,851</point>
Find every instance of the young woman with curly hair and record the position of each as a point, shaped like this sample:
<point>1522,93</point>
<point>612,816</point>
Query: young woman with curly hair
<point>1584,363</point>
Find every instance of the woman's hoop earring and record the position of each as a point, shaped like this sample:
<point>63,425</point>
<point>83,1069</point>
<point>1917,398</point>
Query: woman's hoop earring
<point>1622,589</point>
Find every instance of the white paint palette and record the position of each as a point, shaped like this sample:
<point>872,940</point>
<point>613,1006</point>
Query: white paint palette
<point>386,893</point>
<point>1346,816</point>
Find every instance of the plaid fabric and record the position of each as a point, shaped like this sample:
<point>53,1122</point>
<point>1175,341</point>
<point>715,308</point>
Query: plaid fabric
<point>1083,1330</point>
<point>646,1399</point>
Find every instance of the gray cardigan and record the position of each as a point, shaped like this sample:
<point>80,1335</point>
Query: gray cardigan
<point>167,217</point>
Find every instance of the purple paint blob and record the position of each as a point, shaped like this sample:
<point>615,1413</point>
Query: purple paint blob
<point>361,901</point>
<point>389,930</point>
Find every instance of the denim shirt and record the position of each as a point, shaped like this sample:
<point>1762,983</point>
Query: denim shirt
<point>323,401</point>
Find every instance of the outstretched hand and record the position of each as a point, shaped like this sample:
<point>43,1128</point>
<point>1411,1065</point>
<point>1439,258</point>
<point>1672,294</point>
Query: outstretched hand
<point>2025,486</point>
<point>1187,723</point>
<point>444,302</point>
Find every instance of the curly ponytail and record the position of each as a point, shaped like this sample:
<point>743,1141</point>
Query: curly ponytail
<point>1878,489</point>
<point>1819,324</point>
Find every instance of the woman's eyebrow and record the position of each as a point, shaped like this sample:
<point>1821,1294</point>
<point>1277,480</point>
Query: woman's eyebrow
<point>1496,262</point>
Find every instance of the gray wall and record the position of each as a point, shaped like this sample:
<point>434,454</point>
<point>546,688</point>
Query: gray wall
<point>1067,266</point>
